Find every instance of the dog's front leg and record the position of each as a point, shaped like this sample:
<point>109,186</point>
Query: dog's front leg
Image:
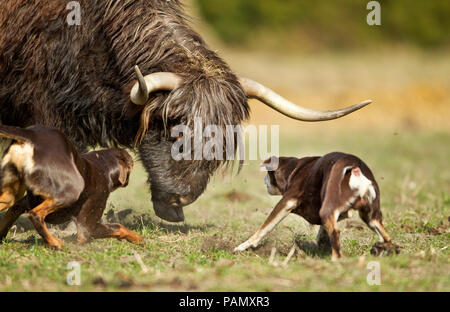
<point>281,211</point>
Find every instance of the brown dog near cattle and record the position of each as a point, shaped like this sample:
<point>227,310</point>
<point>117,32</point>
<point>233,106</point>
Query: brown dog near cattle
<point>61,184</point>
<point>323,190</point>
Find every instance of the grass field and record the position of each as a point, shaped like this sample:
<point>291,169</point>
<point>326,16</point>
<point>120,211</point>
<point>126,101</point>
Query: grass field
<point>412,168</point>
<point>404,137</point>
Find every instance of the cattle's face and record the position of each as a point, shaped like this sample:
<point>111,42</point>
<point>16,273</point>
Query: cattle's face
<point>173,184</point>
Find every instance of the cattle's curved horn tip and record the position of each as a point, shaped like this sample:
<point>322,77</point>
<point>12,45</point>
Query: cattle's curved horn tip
<point>365,103</point>
<point>137,70</point>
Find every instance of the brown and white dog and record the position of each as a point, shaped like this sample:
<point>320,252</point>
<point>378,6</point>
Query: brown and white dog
<point>61,184</point>
<point>323,190</point>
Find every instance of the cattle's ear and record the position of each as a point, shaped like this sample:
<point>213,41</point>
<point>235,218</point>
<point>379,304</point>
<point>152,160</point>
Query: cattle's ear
<point>270,164</point>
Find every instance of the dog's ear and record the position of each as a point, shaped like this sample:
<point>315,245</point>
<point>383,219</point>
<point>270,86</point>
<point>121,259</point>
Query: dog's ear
<point>126,166</point>
<point>270,164</point>
<point>124,174</point>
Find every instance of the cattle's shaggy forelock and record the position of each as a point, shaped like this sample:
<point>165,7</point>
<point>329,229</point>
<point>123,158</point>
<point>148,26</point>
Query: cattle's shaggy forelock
<point>78,78</point>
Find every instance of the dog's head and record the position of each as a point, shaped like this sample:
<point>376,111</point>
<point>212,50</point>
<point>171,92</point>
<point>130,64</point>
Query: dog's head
<point>279,170</point>
<point>271,166</point>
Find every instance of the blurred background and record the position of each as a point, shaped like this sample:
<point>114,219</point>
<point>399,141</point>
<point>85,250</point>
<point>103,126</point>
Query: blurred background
<point>321,24</point>
<point>323,54</point>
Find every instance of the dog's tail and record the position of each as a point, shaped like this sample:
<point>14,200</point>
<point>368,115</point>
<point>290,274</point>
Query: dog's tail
<point>359,184</point>
<point>16,133</point>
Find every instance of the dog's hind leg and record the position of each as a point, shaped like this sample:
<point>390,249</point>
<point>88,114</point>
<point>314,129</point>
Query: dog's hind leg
<point>37,217</point>
<point>377,227</point>
<point>11,216</point>
<point>330,224</point>
<point>12,188</point>
<point>373,221</point>
<point>8,197</point>
<point>281,211</point>
<point>323,239</point>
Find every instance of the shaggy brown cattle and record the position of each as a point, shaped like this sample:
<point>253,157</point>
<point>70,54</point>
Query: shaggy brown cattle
<point>80,80</point>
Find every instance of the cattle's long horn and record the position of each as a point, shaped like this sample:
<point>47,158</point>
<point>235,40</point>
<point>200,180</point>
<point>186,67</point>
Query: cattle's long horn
<point>154,82</point>
<point>258,91</point>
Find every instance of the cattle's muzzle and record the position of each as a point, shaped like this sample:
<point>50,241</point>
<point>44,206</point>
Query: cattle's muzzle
<point>168,212</point>
<point>169,207</point>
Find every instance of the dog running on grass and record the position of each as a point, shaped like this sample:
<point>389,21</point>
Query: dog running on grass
<point>323,190</point>
<point>60,184</point>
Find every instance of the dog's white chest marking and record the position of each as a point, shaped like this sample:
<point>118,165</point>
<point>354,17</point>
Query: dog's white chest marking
<point>361,186</point>
<point>21,155</point>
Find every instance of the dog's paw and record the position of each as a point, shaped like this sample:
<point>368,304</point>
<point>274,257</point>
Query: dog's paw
<point>55,243</point>
<point>242,247</point>
<point>335,259</point>
<point>385,249</point>
<point>136,239</point>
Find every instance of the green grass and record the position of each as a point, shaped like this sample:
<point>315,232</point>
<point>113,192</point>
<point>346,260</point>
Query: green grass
<point>412,169</point>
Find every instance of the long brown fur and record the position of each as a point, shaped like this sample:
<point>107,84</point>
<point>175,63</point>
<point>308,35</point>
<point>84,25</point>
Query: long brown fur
<point>78,78</point>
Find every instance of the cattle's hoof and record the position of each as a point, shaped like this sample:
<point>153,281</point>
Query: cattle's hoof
<point>384,249</point>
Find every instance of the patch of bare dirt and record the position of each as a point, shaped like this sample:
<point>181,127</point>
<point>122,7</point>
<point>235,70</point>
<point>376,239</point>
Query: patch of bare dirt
<point>236,196</point>
<point>438,230</point>
<point>442,228</point>
<point>217,242</point>
<point>264,250</point>
<point>385,249</point>
<point>353,224</point>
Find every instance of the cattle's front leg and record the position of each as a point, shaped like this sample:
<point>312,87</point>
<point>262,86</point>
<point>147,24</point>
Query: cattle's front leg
<point>281,211</point>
